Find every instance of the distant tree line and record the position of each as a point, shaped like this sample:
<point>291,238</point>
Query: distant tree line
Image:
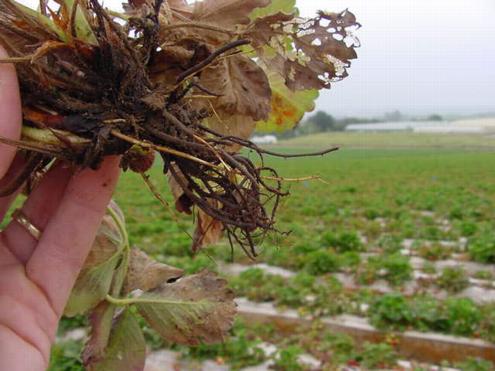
<point>322,122</point>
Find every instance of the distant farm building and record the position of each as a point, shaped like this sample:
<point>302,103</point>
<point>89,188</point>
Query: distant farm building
<point>264,139</point>
<point>471,126</point>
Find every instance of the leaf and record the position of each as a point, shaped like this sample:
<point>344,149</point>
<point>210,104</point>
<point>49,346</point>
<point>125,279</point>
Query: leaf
<point>126,350</point>
<point>179,5</point>
<point>236,125</point>
<point>33,18</point>
<point>276,6</point>
<point>243,86</point>
<point>196,309</point>
<point>109,239</point>
<point>146,274</point>
<point>95,278</point>
<point>101,325</point>
<point>208,231</point>
<point>82,25</point>
<point>226,12</point>
<point>91,287</point>
<point>182,203</point>
<point>308,53</point>
<point>288,107</point>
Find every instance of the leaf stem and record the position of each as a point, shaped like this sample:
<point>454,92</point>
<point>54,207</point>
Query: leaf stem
<point>124,264</point>
<point>16,59</point>
<point>51,136</point>
<point>130,301</point>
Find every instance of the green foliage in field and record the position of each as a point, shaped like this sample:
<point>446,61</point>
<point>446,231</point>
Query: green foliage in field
<point>287,359</point>
<point>391,311</point>
<point>320,262</point>
<point>482,247</point>
<point>372,201</point>
<point>342,242</point>
<point>394,268</point>
<point>66,356</point>
<point>453,279</point>
<point>435,252</point>
<point>378,356</point>
<point>475,364</point>
<point>241,350</point>
<point>457,316</point>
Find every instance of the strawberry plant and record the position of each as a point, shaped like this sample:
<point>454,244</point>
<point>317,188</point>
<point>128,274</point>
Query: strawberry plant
<point>190,82</point>
<point>391,311</point>
<point>453,279</point>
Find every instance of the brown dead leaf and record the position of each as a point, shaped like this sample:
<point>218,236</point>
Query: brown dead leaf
<point>182,203</point>
<point>147,274</point>
<point>208,231</point>
<point>180,6</point>
<point>196,309</point>
<point>236,125</point>
<point>226,12</point>
<point>244,87</point>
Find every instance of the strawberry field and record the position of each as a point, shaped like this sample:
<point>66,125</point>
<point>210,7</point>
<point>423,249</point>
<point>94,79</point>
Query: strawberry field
<point>390,252</point>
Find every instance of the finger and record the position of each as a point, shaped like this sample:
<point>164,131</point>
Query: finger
<point>10,112</point>
<point>38,209</point>
<point>15,168</point>
<point>70,233</point>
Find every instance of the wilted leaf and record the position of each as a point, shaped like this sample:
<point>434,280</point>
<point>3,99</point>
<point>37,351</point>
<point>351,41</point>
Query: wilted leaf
<point>243,85</point>
<point>288,107</point>
<point>208,231</point>
<point>108,240</point>
<point>100,320</point>
<point>146,274</point>
<point>126,350</point>
<point>196,309</point>
<point>91,287</point>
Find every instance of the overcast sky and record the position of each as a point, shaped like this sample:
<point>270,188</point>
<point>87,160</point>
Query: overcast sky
<point>417,56</point>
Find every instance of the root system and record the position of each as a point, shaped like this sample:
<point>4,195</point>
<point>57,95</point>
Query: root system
<point>190,82</point>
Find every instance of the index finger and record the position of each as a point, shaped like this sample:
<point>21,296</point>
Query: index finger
<point>69,235</point>
<point>10,112</point>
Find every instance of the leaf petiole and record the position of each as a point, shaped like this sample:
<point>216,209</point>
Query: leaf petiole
<point>130,301</point>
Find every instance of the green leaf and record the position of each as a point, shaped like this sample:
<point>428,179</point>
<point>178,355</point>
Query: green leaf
<point>83,28</point>
<point>91,287</point>
<point>126,350</point>
<point>196,309</point>
<point>288,107</point>
<point>276,6</point>
<point>31,13</point>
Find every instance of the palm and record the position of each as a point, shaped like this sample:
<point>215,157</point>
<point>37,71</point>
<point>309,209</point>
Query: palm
<point>27,320</point>
<point>36,276</point>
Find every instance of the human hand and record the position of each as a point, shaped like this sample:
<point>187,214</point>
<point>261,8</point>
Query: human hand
<point>37,275</point>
